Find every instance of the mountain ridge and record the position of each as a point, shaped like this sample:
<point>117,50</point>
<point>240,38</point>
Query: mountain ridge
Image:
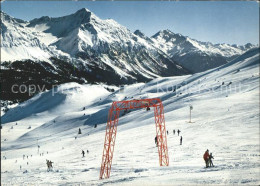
<point>195,55</point>
<point>94,50</point>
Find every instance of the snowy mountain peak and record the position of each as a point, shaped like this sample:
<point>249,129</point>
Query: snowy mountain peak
<point>163,33</point>
<point>165,36</point>
<point>82,14</point>
<point>139,33</point>
<point>195,55</point>
<point>83,10</point>
<point>7,18</point>
<point>105,48</point>
<point>41,20</point>
<point>166,32</point>
<point>61,25</point>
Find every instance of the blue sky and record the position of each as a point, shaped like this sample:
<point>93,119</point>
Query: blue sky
<point>233,22</point>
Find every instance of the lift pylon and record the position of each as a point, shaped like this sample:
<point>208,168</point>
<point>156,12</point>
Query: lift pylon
<point>111,129</point>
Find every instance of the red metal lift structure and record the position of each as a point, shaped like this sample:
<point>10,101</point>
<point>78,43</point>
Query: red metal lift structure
<point>111,130</point>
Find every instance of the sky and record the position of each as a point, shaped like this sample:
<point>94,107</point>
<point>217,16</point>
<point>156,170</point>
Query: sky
<point>232,22</point>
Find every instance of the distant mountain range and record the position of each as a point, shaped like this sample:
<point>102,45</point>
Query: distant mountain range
<point>84,48</point>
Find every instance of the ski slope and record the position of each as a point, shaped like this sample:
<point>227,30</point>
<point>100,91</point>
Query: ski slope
<point>225,121</point>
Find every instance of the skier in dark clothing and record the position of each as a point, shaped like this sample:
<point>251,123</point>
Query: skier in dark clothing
<point>173,132</point>
<point>83,154</point>
<point>49,165</point>
<point>181,141</point>
<point>178,132</point>
<point>155,140</point>
<point>210,160</point>
<point>167,132</point>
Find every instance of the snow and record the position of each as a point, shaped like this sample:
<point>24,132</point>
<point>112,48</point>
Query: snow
<point>117,70</point>
<point>172,44</point>
<point>225,121</point>
<point>86,34</point>
<point>22,52</point>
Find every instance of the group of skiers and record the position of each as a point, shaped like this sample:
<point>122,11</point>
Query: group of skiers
<point>207,156</point>
<point>178,131</point>
<point>208,159</point>
<point>83,153</point>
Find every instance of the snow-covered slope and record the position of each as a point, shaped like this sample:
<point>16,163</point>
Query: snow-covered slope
<point>225,116</point>
<point>195,55</point>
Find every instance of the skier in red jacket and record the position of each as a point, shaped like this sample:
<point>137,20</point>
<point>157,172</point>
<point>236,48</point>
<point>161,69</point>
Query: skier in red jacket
<point>206,158</point>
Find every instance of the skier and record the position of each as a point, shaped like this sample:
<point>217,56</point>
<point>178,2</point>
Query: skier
<point>23,156</point>
<point>178,132</point>
<point>87,151</point>
<point>210,160</point>
<point>83,154</point>
<point>167,132</point>
<point>181,141</point>
<point>155,139</point>
<point>49,165</point>
<point>206,158</point>
<point>174,132</point>
<point>79,131</point>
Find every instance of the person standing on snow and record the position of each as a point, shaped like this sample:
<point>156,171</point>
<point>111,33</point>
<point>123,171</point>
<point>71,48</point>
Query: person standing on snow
<point>174,132</point>
<point>83,154</point>
<point>206,158</point>
<point>178,132</point>
<point>210,160</point>
<point>155,140</point>
<point>181,140</point>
